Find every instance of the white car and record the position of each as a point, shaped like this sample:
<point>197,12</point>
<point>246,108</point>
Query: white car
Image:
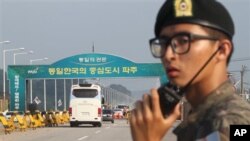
<point>118,113</point>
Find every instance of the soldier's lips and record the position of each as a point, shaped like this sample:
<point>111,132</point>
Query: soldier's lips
<point>172,72</point>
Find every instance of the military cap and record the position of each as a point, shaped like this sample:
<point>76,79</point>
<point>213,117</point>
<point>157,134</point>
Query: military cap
<point>208,13</point>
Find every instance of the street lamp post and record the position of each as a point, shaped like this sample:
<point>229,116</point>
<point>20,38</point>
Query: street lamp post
<point>4,42</point>
<point>4,51</point>
<point>34,60</point>
<point>31,62</point>
<point>15,54</point>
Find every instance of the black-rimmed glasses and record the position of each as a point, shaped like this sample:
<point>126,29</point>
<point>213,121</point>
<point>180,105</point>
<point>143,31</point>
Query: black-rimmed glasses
<point>180,43</point>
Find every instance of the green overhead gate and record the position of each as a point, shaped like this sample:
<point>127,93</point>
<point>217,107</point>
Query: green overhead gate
<point>82,66</point>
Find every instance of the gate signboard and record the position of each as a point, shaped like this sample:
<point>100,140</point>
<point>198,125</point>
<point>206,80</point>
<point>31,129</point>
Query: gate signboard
<point>91,65</point>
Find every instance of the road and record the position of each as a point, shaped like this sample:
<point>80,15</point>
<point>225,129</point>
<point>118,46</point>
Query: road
<point>119,131</point>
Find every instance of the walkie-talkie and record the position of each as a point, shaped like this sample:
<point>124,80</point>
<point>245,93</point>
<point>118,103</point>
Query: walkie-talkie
<point>169,97</point>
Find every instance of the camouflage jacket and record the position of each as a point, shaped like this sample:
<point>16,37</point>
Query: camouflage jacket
<point>221,109</point>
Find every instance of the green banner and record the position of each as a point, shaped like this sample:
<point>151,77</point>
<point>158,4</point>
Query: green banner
<point>80,66</point>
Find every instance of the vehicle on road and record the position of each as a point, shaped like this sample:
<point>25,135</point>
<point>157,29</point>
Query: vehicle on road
<point>118,113</point>
<point>108,115</point>
<point>122,106</point>
<point>85,105</point>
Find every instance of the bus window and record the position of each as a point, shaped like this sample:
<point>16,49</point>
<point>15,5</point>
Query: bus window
<point>85,93</point>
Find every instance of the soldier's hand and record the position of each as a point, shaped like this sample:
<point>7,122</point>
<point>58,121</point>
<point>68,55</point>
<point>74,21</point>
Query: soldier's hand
<point>147,123</point>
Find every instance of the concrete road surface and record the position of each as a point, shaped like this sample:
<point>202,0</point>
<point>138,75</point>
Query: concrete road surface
<point>119,131</point>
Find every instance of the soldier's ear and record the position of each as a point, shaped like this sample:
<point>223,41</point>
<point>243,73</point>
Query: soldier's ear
<point>225,48</point>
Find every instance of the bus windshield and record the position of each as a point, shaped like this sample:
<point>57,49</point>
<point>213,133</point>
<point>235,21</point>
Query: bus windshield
<point>85,93</point>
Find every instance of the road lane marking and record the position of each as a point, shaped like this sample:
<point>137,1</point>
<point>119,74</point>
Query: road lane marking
<point>84,137</point>
<point>97,131</point>
<point>107,127</point>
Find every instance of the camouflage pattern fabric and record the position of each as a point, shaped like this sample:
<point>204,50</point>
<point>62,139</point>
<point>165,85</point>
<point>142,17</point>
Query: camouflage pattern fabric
<point>221,109</point>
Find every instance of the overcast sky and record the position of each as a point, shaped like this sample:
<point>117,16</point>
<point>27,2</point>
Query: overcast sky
<point>62,28</point>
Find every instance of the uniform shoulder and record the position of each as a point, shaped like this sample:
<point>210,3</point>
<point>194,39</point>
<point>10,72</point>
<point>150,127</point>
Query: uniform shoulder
<point>232,112</point>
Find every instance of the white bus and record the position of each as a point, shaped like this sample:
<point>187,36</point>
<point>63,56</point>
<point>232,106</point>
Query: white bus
<point>85,105</point>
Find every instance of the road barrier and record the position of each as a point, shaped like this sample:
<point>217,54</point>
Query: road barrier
<point>29,121</point>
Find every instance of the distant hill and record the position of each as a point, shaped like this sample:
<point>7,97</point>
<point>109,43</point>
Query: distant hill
<point>120,88</point>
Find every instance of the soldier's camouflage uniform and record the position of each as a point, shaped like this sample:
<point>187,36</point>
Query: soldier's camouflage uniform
<point>221,109</point>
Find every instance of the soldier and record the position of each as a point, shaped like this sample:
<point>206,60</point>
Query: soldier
<point>194,42</point>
